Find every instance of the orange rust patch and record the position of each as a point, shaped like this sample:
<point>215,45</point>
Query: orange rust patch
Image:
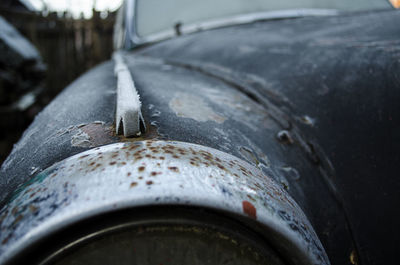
<point>395,3</point>
<point>134,184</point>
<point>353,258</point>
<point>249,209</point>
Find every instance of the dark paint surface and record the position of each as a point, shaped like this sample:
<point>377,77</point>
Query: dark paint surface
<point>328,82</point>
<point>234,123</point>
<point>345,73</point>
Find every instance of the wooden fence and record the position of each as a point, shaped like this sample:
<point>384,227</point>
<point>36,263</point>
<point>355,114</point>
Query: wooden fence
<point>68,46</point>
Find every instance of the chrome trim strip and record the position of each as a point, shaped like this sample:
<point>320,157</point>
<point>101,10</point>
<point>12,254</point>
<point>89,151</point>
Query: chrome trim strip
<point>129,117</point>
<point>216,23</point>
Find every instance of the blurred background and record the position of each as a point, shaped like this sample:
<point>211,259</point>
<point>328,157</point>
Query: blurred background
<point>44,46</point>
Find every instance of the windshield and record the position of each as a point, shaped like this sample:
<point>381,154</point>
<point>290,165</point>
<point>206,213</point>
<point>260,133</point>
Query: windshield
<point>154,16</point>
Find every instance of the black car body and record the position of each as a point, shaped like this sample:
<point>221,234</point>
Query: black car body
<point>311,102</point>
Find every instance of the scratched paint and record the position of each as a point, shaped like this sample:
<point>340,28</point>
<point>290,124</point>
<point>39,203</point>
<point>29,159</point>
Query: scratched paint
<point>135,174</point>
<point>190,106</point>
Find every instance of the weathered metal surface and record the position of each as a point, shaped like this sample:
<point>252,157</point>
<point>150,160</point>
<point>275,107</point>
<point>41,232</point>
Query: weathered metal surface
<point>280,101</point>
<point>126,175</point>
<point>250,131</point>
<point>82,116</point>
<point>342,74</point>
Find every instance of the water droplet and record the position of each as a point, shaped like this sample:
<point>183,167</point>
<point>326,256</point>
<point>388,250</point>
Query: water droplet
<point>156,113</point>
<point>307,120</point>
<point>285,137</point>
<point>291,173</point>
<point>34,170</point>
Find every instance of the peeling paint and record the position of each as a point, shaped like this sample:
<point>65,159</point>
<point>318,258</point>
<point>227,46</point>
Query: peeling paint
<point>91,135</point>
<point>81,139</point>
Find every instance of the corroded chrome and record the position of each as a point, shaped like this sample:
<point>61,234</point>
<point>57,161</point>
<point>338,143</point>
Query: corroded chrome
<point>142,173</point>
<point>129,119</point>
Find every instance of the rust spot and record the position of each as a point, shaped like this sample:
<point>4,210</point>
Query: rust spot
<point>249,209</point>
<point>33,209</point>
<point>154,173</point>
<point>141,169</point>
<point>113,163</point>
<point>149,182</point>
<point>162,158</point>
<point>14,210</point>
<point>175,169</point>
<point>5,240</point>
<point>129,174</point>
<point>83,156</point>
<point>17,219</point>
<point>133,147</point>
<point>251,198</point>
<point>133,184</point>
<point>91,164</point>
